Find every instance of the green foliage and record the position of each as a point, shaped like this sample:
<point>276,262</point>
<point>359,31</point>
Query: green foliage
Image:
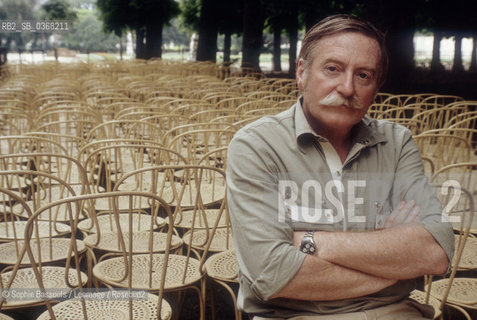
<point>17,10</point>
<point>57,10</point>
<point>190,14</point>
<point>173,34</point>
<point>87,35</point>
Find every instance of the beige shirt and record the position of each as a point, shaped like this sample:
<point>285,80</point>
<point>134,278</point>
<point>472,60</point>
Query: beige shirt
<point>279,181</point>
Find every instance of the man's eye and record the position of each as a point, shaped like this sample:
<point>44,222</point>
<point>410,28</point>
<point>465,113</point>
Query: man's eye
<point>363,76</point>
<point>332,68</point>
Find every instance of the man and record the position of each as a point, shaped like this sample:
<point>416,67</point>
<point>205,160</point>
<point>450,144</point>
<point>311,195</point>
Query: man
<point>332,215</point>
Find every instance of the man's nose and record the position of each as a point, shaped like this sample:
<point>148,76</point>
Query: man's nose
<point>346,85</point>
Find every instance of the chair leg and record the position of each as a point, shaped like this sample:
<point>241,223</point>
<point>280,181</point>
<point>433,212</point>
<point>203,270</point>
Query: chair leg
<point>238,313</point>
<point>201,301</point>
<point>210,288</point>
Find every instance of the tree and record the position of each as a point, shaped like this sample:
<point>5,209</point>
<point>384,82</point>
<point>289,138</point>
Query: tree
<point>87,35</point>
<point>17,11</point>
<point>208,30</point>
<point>398,20</point>
<point>253,23</point>
<point>146,17</point>
<point>57,10</point>
<point>210,18</point>
<point>230,23</point>
<point>54,10</point>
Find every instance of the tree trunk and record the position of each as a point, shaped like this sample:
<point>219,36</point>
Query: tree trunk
<point>457,66</point>
<point>121,45</point>
<point>252,41</point>
<point>436,64</point>
<point>401,59</point>
<point>277,50</point>
<point>293,37</point>
<point>154,39</point>
<point>140,47</point>
<point>227,47</point>
<point>473,58</point>
<point>208,31</point>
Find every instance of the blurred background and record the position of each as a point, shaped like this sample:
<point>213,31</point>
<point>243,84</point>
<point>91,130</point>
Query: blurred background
<point>432,43</point>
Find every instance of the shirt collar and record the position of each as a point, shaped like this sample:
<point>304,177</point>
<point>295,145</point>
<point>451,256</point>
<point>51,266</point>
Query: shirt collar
<point>365,132</point>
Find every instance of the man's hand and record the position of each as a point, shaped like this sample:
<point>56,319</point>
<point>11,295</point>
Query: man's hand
<point>404,213</point>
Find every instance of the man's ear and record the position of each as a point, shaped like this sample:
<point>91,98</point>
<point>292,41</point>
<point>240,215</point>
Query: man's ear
<point>301,74</point>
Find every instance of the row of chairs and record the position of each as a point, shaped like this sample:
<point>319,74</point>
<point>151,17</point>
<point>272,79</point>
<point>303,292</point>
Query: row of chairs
<point>115,119</point>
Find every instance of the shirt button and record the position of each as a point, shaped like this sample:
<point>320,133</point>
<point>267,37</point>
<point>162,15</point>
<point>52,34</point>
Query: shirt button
<point>338,173</point>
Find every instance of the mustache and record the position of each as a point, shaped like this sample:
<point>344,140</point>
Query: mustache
<point>334,99</point>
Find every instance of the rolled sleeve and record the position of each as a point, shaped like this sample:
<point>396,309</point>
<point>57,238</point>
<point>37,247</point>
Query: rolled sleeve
<point>264,244</point>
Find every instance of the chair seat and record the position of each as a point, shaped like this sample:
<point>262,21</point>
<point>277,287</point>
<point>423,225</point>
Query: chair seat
<point>463,291</point>
<point>7,231</point>
<point>222,239</point>
<point>110,242</point>
<point>59,215</point>
<point>110,309</point>
<point>59,250</point>
<point>53,278</point>
<point>184,220</point>
<point>104,205</point>
<point>211,194</point>
<point>468,259</point>
<point>420,297</point>
<point>223,266</point>
<point>107,223</point>
<point>110,271</point>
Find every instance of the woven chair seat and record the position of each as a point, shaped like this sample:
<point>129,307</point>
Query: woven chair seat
<point>59,250</point>
<point>7,231</point>
<point>223,266</point>
<point>184,219</point>
<point>463,291</point>
<point>107,224</point>
<point>110,309</point>
<point>104,205</point>
<point>111,270</point>
<point>468,259</point>
<point>222,239</point>
<point>53,278</point>
<point>420,296</point>
<point>110,242</point>
<point>211,194</point>
<point>58,215</point>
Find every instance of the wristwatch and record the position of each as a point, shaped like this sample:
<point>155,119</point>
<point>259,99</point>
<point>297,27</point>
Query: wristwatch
<point>307,243</point>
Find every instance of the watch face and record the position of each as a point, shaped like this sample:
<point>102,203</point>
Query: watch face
<point>308,246</point>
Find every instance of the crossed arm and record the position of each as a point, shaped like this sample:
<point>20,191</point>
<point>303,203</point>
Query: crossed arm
<point>349,265</point>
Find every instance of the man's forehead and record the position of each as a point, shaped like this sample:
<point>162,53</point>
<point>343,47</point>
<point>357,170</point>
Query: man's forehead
<point>332,47</point>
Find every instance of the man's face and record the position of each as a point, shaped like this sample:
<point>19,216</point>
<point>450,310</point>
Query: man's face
<point>344,69</point>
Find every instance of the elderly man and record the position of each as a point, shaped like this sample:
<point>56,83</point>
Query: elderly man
<point>332,215</point>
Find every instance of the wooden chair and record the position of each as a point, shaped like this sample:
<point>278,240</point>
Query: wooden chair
<point>197,194</point>
<point>28,144</point>
<point>436,118</point>
<point>33,255</point>
<point>146,273</point>
<point>454,291</point>
<point>72,143</point>
<point>107,164</point>
<point>194,144</point>
<point>36,188</point>
<point>463,174</point>
<point>222,268</point>
<point>443,149</point>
